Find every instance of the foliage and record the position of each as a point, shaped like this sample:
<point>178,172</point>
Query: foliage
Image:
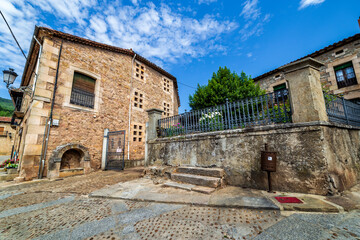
<point>212,121</point>
<point>175,129</point>
<point>280,112</point>
<point>224,85</point>
<point>328,95</point>
<point>6,107</point>
<point>10,163</point>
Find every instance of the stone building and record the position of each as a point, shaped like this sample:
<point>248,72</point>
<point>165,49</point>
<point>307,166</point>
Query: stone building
<point>74,90</point>
<point>7,135</point>
<point>341,73</point>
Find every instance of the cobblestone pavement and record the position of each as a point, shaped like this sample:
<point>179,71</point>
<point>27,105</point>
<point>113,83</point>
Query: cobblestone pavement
<point>63,210</point>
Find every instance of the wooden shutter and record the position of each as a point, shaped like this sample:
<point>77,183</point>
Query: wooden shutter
<point>84,83</point>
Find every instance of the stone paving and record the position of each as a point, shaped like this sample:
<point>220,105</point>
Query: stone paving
<point>63,210</point>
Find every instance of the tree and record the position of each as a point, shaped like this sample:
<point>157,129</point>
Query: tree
<point>222,85</point>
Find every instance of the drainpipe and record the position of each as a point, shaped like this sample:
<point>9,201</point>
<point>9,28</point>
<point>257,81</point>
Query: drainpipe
<point>37,66</point>
<point>131,81</point>
<point>47,129</point>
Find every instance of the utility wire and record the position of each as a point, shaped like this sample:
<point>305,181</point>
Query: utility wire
<point>186,85</point>
<point>13,34</point>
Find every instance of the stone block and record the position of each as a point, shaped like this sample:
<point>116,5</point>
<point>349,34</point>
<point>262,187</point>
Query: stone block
<point>196,180</point>
<point>211,172</point>
<point>32,149</point>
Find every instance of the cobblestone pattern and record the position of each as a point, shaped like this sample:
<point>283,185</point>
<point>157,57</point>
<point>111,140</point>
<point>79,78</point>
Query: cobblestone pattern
<point>27,199</point>
<point>83,184</point>
<point>45,221</point>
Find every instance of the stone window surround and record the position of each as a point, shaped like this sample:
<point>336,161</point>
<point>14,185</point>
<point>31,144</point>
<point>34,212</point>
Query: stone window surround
<point>332,77</point>
<point>138,132</point>
<point>271,86</point>
<point>69,84</point>
<point>140,101</point>
<point>141,67</point>
<point>166,85</point>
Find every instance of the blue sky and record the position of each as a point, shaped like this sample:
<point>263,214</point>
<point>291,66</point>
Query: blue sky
<point>189,39</point>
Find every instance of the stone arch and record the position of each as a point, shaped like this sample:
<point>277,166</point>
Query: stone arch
<point>54,166</point>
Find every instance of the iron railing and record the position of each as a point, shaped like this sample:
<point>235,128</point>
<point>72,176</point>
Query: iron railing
<point>267,109</point>
<point>343,111</point>
<point>82,98</point>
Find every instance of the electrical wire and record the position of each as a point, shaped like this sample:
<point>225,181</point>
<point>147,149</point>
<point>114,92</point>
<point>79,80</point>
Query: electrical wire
<point>186,85</point>
<point>13,34</point>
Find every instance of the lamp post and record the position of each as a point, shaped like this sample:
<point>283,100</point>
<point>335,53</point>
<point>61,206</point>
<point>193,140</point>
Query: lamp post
<point>9,77</point>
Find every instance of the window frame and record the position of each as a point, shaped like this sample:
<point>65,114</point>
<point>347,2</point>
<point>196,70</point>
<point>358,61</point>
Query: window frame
<point>347,82</point>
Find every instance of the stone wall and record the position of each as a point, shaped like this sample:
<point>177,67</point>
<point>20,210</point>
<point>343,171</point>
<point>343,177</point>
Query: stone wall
<point>351,52</point>
<point>315,157</point>
<point>6,138</point>
<point>82,125</point>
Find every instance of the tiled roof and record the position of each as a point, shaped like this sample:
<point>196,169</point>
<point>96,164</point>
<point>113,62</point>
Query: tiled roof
<point>315,54</point>
<point>5,119</point>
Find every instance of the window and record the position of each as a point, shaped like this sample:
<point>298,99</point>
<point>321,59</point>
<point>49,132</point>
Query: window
<point>166,109</point>
<point>2,131</point>
<point>345,75</point>
<point>83,89</point>
<point>166,85</point>
<point>138,99</point>
<point>137,133</point>
<point>279,91</point>
<point>139,71</point>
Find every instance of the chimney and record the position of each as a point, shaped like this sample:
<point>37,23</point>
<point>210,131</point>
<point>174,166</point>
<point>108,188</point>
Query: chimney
<point>359,22</point>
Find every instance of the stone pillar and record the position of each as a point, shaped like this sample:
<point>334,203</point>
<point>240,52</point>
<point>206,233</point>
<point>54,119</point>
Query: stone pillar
<point>151,133</point>
<point>104,149</point>
<point>306,96</point>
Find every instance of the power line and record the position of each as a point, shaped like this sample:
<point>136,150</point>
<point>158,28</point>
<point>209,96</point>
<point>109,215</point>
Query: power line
<point>13,34</point>
<point>186,85</point>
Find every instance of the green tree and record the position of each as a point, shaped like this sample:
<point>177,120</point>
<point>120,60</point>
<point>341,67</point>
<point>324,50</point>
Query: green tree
<point>222,85</point>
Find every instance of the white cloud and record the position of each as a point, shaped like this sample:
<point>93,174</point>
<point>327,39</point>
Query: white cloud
<point>160,33</point>
<point>250,10</point>
<point>307,3</point>
<point>206,1</point>
<point>249,55</point>
<point>254,20</point>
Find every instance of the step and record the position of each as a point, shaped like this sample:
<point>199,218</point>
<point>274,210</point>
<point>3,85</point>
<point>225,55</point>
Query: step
<point>190,187</point>
<point>211,172</point>
<point>183,186</point>
<point>196,179</point>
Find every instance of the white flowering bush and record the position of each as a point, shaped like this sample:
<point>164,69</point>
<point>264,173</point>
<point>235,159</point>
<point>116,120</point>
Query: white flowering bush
<point>212,120</point>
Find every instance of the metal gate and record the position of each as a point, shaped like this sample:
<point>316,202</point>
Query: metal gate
<point>115,150</point>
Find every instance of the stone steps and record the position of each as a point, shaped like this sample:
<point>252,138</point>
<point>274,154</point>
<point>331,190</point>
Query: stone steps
<point>200,180</point>
<point>189,187</point>
<point>211,172</point>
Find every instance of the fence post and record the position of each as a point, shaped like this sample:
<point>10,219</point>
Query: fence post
<point>154,115</point>
<point>186,122</point>
<point>228,113</point>
<point>345,111</point>
<point>306,95</point>
<point>104,149</point>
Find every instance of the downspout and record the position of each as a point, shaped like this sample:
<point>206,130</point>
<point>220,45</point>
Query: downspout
<point>131,80</point>
<point>47,129</point>
<point>37,66</point>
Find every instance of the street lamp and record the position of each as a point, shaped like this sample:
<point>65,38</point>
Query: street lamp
<point>9,77</point>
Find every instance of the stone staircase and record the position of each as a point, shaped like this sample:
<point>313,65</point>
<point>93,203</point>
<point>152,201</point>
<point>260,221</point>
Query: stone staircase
<point>198,179</point>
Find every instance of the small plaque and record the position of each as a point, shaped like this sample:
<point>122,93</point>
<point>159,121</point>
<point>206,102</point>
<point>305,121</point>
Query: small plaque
<point>118,150</point>
<point>270,158</point>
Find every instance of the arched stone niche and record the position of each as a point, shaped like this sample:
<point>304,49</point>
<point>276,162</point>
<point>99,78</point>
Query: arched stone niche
<point>69,159</point>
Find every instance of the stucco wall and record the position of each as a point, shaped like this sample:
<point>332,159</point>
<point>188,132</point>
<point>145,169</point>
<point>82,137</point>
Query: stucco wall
<point>309,158</point>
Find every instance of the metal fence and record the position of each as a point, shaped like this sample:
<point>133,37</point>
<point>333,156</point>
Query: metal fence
<point>343,111</point>
<point>82,98</point>
<point>267,109</point>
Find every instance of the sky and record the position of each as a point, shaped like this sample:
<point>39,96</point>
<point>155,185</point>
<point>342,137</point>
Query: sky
<point>189,39</point>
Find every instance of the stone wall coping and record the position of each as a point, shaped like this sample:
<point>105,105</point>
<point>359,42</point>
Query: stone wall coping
<point>301,64</point>
<point>154,110</point>
<point>285,126</point>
